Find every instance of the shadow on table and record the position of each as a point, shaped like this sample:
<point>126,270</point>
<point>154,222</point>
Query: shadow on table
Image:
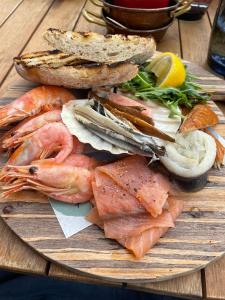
<point>22,287</point>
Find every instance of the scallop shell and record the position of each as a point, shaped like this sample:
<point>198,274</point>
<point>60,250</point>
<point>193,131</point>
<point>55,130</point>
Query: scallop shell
<point>84,135</point>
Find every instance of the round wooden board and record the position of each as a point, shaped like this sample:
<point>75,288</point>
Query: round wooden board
<point>197,239</point>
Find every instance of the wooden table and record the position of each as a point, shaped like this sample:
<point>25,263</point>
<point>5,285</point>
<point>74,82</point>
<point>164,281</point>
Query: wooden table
<point>22,23</point>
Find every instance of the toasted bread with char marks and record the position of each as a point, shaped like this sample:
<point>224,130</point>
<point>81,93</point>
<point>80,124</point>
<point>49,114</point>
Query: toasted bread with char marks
<point>57,68</point>
<point>100,48</point>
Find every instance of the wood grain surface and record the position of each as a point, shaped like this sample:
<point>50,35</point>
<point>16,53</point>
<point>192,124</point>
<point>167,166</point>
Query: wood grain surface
<point>15,255</point>
<point>7,9</point>
<point>212,282</point>
<point>65,13</point>
<point>196,240</point>
<point>23,26</point>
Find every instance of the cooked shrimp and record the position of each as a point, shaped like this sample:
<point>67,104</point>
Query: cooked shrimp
<point>78,147</point>
<point>39,99</point>
<point>81,161</point>
<point>60,181</point>
<point>52,137</point>
<point>12,139</point>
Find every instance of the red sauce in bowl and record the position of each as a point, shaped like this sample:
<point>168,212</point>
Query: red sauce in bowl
<point>142,3</point>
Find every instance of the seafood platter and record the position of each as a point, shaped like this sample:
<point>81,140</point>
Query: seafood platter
<point>143,146</point>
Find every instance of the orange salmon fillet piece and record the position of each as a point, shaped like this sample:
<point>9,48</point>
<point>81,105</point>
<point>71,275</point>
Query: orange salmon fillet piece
<point>122,100</point>
<point>129,226</point>
<point>133,175</point>
<point>111,200</point>
<point>139,245</point>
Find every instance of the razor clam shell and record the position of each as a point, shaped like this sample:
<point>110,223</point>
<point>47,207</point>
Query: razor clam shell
<point>130,148</point>
<point>83,134</point>
<point>117,139</point>
<point>120,126</point>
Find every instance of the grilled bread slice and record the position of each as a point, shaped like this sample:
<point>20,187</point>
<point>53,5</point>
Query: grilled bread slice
<point>96,47</point>
<point>57,68</point>
<point>51,58</point>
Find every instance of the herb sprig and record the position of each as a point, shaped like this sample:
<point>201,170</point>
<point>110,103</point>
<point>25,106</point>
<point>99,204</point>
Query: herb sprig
<point>143,86</point>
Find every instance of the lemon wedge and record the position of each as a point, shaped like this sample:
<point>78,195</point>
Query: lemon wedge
<point>169,70</point>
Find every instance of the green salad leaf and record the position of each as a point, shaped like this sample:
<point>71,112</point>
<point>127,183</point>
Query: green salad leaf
<point>143,86</point>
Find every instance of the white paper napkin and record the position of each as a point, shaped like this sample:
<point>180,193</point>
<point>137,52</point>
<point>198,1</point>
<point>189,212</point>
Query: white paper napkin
<point>71,217</point>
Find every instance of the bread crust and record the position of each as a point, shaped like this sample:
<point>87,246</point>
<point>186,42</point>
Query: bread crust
<point>78,76</point>
<point>96,47</point>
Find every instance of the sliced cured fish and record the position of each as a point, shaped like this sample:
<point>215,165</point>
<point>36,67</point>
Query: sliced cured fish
<point>139,245</point>
<point>111,200</point>
<point>125,101</point>
<point>129,226</point>
<point>94,218</point>
<point>133,175</point>
<point>201,116</point>
<point>132,205</point>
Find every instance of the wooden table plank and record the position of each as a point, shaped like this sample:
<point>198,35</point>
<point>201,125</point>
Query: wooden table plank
<point>60,272</point>
<point>181,286</point>
<point>171,41</point>
<point>16,256</point>
<point>7,8</point>
<point>215,276</point>
<point>18,29</point>
<point>185,286</point>
<point>215,272</point>
<point>84,25</point>
<point>63,14</point>
<point>195,39</point>
<point>212,10</point>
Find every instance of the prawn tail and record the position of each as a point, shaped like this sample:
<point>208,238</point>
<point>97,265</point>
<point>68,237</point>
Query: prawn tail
<point>16,141</point>
<point>7,117</point>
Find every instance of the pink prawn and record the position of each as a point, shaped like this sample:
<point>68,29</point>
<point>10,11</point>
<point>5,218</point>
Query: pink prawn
<point>42,98</point>
<point>13,138</point>
<point>69,181</point>
<point>52,137</point>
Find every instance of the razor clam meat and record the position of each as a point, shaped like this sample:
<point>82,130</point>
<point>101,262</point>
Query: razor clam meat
<point>85,135</point>
<point>95,116</point>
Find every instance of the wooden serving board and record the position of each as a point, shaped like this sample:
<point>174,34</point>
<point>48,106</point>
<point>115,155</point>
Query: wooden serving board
<point>197,240</point>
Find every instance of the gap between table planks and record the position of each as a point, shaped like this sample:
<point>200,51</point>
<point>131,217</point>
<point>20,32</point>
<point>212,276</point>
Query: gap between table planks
<point>166,47</point>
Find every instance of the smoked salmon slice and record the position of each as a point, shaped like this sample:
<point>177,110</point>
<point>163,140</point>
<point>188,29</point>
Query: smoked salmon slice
<point>201,116</point>
<point>133,175</point>
<point>128,226</point>
<point>139,245</point>
<point>94,217</point>
<point>132,204</point>
<point>125,101</point>
<point>111,200</point>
